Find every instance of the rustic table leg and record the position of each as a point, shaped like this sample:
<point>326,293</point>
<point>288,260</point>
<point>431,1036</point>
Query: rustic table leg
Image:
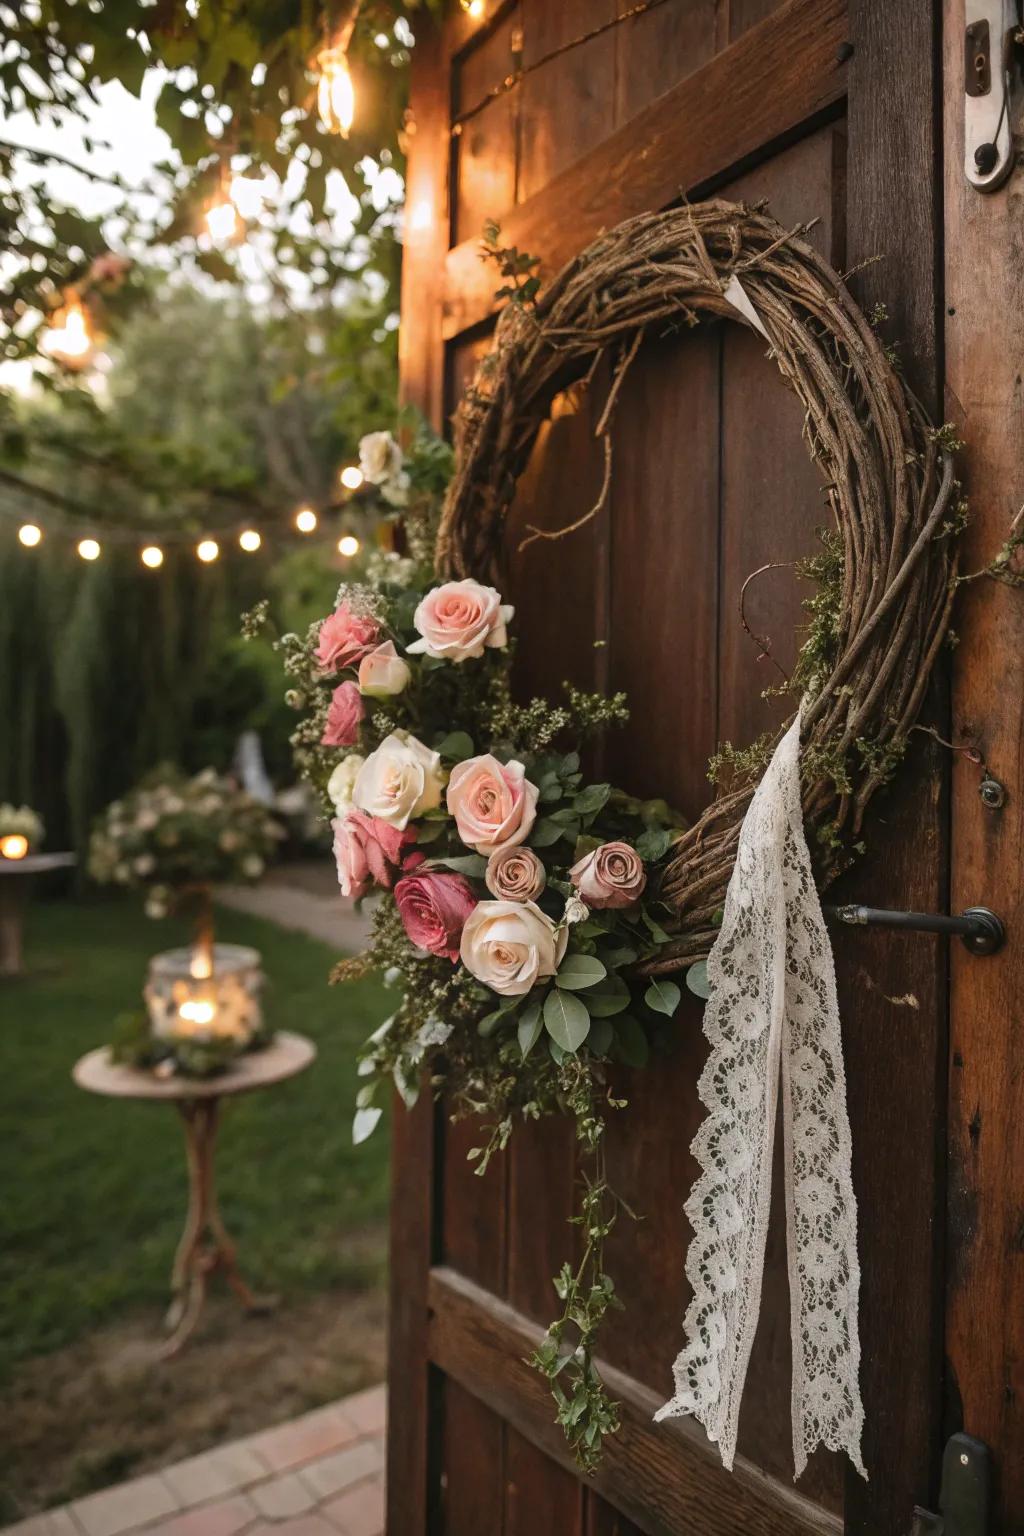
<point>225,1249</point>
<point>12,924</point>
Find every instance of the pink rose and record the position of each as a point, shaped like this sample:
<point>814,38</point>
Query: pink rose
<point>382,672</point>
<point>459,619</point>
<point>343,717</point>
<point>515,874</point>
<point>494,804</point>
<point>345,638</point>
<point>366,851</point>
<point>434,908</point>
<point>611,876</point>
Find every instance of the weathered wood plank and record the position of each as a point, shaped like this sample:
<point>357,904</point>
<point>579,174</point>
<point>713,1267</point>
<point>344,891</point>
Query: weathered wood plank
<point>984,336</point>
<point>666,1478</point>
<point>777,76</point>
<point>896,1053</point>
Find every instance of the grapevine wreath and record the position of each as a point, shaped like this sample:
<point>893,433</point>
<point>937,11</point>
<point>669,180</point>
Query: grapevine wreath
<point>525,916</point>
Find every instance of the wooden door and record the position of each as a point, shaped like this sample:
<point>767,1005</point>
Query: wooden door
<point>827,109</point>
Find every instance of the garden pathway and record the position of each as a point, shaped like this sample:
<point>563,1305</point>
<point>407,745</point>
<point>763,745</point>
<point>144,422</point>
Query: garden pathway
<point>304,898</point>
<point>318,1475</point>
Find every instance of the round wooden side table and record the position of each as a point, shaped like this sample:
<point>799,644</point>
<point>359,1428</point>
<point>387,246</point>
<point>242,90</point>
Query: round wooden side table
<point>14,883</point>
<point>205,1245</point>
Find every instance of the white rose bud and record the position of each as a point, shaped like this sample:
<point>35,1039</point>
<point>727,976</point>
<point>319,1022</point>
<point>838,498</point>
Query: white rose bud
<point>380,457</point>
<point>342,782</point>
<point>383,673</point>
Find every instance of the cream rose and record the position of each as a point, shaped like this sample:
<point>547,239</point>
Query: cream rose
<point>383,672</point>
<point>494,804</point>
<point>612,876</point>
<point>515,874</point>
<point>342,782</point>
<point>510,945</point>
<point>402,779</point>
<point>459,620</point>
<point>380,457</point>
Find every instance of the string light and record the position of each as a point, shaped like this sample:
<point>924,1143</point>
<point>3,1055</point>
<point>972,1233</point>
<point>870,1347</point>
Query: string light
<point>474,8</point>
<point>29,534</point>
<point>89,549</point>
<point>249,540</point>
<point>153,556</point>
<point>207,550</point>
<point>67,338</point>
<point>348,545</point>
<point>305,520</point>
<point>351,477</point>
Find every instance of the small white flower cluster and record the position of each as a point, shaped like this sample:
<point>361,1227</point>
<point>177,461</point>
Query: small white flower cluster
<point>21,821</point>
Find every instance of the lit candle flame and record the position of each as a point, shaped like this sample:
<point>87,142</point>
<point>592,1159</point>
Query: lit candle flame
<point>195,1011</point>
<point>13,846</point>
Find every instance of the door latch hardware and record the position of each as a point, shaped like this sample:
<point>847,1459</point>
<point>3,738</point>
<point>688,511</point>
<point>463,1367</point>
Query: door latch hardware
<point>982,932</point>
<point>988,74</point>
<point>965,1493</point>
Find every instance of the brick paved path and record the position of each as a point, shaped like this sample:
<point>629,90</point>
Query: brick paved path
<point>319,1475</point>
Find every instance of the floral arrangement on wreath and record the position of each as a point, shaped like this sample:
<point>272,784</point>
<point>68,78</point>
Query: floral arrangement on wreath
<point>21,821</point>
<point>173,836</point>
<point>513,895</point>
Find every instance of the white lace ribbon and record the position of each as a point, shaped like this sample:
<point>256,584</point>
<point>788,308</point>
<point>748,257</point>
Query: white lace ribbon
<point>772,1014</point>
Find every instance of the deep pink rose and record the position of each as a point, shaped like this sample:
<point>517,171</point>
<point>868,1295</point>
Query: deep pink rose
<point>345,638</point>
<point>367,851</point>
<point>344,715</point>
<point>434,908</point>
<point>611,876</point>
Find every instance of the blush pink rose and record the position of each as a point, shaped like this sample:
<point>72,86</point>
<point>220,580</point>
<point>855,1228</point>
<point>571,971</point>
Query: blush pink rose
<point>459,620</point>
<point>494,804</point>
<point>367,851</point>
<point>345,638</point>
<point>434,908</point>
<point>344,716</point>
<point>611,876</point>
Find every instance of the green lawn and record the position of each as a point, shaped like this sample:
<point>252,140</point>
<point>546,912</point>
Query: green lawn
<point>93,1189</point>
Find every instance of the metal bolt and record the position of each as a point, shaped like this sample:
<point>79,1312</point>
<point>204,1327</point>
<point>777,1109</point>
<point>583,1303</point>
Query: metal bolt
<point>844,53</point>
<point>992,793</point>
<point>963,1458</point>
<point>986,158</point>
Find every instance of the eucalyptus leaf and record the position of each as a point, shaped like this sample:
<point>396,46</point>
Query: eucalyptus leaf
<point>653,844</point>
<point>602,1032</point>
<point>662,996</point>
<point>621,954</point>
<point>428,832</point>
<point>530,1026</point>
<point>590,800</point>
<point>697,979</point>
<point>456,746</point>
<point>545,832</point>
<point>631,1041</point>
<point>579,971</point>
<point>566,1019</point>
<point>472,864</point>
<point>609,997</point>
<point>555,1051</point>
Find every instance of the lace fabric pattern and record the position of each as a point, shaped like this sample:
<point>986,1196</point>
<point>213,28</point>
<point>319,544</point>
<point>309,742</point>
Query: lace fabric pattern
<point>772,1021</point>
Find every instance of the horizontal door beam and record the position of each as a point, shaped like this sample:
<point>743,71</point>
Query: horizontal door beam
<point>778,77</point>
<point>666,1478</point>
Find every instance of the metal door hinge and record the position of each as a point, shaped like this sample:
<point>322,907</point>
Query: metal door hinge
<point>965,1494</point>
<point>990,71</point>
<point>981,930</point>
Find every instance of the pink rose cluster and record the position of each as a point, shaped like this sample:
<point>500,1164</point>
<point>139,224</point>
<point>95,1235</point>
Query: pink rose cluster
<point>345,638</point>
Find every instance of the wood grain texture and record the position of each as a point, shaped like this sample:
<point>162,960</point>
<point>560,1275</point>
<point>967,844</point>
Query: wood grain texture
<point>420,347</point>
<point>773,79</point>
<point>984,336</point>
<point>566,103</point>
<point>657,49</point>
<point>665,1478</point>
<point>896,1053</point>
<point>484,152</point>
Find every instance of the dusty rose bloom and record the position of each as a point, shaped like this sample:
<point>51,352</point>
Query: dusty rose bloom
<point>434,907</point>
<point>515,874</point>
<point>344,715</point>
<point>345,638</point>
<point>459,620</point>
<point>611,876</point>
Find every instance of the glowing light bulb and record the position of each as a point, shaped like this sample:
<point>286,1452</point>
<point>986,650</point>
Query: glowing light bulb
<point>348,545</point>
<point>474,8</point>
<point>335,95</point>
<point>29,535</point>
<point>351,477</point>
<point>249,540</point>
<point>152,556</point>
<point>68,338</point>
<point>13,846</point>
<point>89,549</point>
<point>305,520</point>
<point>207,550</point>
<point>222,220</point>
